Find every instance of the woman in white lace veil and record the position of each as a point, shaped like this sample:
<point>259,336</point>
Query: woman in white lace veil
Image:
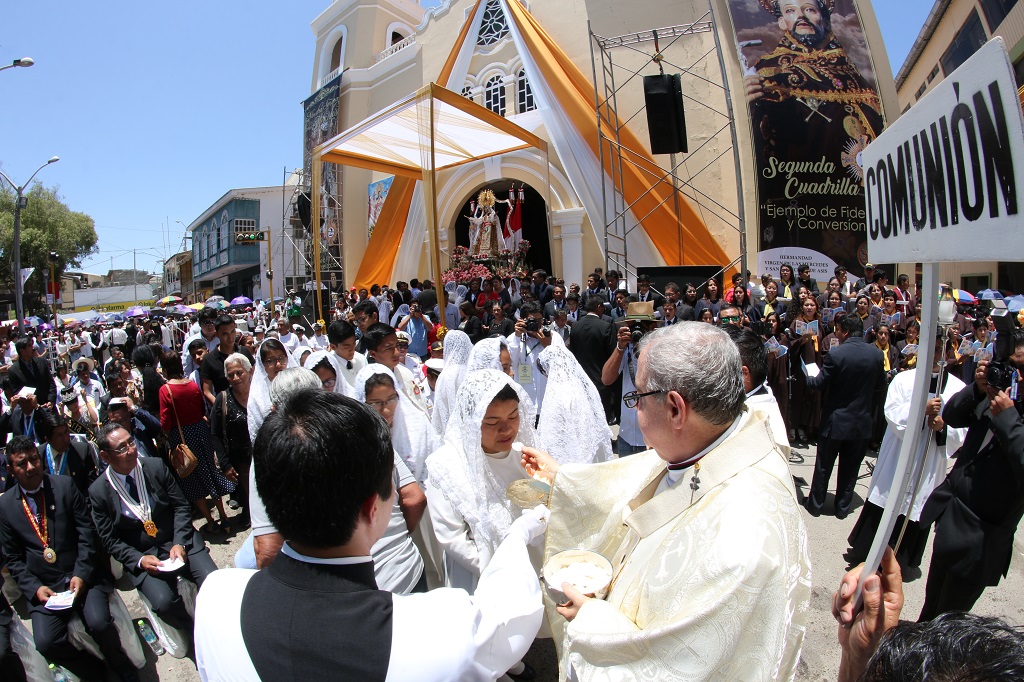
<point>572,423</point>
<point>468,475</point>
<point>329,359</point>
<point>400,314</point>
<point>461,292</point>
<point>271,358</point>
<point>411,435</point>
<point>457,348</point>
<point>490,353</point>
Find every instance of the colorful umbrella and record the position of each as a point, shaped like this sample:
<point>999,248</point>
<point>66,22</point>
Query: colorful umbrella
<point>1015,304</point>
<point>183,310</point>
<point>136,311</point>
<point>962,296</point>
<point>169,300</point>
<point>197,306</point>
<point>241,300</point>
<point>989,295</point>
<point>217,305</point>
<point>46,327</point>
<point>214,299</point>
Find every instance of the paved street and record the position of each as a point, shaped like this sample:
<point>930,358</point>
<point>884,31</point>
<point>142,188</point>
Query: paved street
<point>820,659</point>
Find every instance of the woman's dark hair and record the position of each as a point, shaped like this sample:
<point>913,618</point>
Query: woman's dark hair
<point>171,362</point>
<point>718,289</point>
<point>506,393</point>
<point>143,358</point>
<point>795,305</point>
<point>377,380</point>
<point>269,345</point>
<point>742,291</point>
<point>317,461</point>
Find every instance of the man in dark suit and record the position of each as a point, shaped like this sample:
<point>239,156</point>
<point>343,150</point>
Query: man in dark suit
<point>593,339</point>
<point>977,508</point>
<point>556,303</point>
<point>29,370</point>
<point>51,547</point>
<point>145,522</point>
<point>25,415</point>
<point>542,291</point>
<point>855,375</point>
<point>63,456</point>
<point>644,292</point>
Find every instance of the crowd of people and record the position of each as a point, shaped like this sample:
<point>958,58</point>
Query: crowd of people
<point>371,461</point>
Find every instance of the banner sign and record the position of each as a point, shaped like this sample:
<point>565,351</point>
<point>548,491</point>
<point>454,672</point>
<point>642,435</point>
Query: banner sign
<point>814,106</point>
<point>321,111</point>
<point>378,192</point>
<point>944,183</point>
<point>822,267</point>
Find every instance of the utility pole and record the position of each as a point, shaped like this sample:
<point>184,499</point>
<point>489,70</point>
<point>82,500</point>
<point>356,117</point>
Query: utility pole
<point>270,267</point>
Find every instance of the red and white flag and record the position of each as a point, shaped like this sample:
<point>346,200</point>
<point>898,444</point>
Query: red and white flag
<point>514,223</point>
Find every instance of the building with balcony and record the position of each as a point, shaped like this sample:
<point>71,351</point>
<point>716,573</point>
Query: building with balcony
<point>953,31</point>
<point>221,266</point>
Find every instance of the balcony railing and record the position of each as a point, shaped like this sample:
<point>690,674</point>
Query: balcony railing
<point>411,40</point>
<point>327,79</point>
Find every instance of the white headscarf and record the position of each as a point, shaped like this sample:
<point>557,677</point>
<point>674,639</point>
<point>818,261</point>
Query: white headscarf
<point>486,354</point>
<point>259,392</point>
<point>461,293</point>
<point>400,314</point>
<point>572,423</point>
<point>457,348</point>
<point>466,480</point>
<point>340,385</point>
<point>411,435</point>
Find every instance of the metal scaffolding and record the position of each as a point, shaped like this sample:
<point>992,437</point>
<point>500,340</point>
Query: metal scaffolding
<point>614,78</point>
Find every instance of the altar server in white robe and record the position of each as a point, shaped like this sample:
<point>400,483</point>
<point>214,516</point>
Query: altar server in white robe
<point>941,440</point>
<point>457,348</point>
<point>324,470</point>
<point>468,475</point>
<point>712,575</point>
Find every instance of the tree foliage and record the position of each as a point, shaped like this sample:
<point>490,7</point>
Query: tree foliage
<point>47,224</point>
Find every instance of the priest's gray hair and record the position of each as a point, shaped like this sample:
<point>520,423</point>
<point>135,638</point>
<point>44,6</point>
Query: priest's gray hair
<point>701,363</point>
<point>290,380</point>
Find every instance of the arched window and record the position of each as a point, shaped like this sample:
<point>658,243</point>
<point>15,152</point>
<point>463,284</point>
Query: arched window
<point>467,92</point>
<point>336,54</point>
<point>494,95</point>
<point>524,93</point>
<point>396,37</point>
<point>493,26</point>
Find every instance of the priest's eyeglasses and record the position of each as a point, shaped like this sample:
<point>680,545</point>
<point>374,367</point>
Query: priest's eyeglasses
<point>632,399</point>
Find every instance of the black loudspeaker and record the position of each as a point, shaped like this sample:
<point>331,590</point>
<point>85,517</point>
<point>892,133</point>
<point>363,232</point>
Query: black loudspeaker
<point>305,209</point>
<point>664,97</point>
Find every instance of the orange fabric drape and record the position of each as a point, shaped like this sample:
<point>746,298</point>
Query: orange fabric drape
<point>378,263</point>
<point>575,95</point>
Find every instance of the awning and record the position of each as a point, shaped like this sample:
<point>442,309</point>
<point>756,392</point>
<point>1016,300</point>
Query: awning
<point>431,130</point>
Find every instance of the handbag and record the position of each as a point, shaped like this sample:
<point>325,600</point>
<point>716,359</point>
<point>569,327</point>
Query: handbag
<point>182,458</point>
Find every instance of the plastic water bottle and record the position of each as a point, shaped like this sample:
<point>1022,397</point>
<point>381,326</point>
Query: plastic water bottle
<point>58,673</point>
<point>150,637</point>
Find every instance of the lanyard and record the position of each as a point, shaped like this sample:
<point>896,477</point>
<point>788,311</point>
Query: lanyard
<point>30,427</point>
<point>140,509</point>
<point>60,469</point>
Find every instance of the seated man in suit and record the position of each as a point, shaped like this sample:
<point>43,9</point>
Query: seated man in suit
<point>324,467</point>
<point>24,410</point>
<point>63,456</point>
<point>144,521</point>
<point>51,547</point>
<point>33,371</point>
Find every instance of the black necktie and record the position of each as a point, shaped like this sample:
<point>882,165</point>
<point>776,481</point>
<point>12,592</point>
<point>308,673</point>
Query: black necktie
<point>133,491</point>
<point>39,502</point>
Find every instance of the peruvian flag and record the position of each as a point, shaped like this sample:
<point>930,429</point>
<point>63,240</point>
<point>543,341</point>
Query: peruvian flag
<point>514,222</point>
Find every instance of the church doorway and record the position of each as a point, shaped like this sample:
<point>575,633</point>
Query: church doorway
<point>535,220</point>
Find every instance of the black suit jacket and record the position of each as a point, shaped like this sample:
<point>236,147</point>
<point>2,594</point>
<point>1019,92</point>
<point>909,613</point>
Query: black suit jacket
<point>549,309</point>
<point>977,508</point>
<point>474,328</point>
<point>81,467</point>
<point>592,341</point>
<point>42,380</point>
<point>18,424</point>
<point>855,378</point>
<point>122,535</point>
<point>71,536</point>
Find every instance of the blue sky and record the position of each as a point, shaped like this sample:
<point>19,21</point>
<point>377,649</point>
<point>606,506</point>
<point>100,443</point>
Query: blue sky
<point>157,109</point>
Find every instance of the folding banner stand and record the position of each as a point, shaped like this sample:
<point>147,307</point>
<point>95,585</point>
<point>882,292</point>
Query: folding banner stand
<point>431,130</point>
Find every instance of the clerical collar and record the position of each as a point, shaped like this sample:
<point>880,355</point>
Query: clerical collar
<point>760,390</point>
<point>286,549</point>
<point>718,441</point>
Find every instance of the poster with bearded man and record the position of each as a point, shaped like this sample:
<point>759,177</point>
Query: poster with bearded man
<point>814,106</point>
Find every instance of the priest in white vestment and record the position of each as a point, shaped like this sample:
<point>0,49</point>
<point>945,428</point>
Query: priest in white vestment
<point>712,577</point>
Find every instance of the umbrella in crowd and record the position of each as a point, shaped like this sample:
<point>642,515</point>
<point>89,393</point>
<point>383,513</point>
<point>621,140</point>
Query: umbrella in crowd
<point>196,306</point>
<point>46,327</point>
<point>241,300</point>
<point>107,318</point>
<point>183,310</point>
<point>136,311</point>
<point>169,300</point>
<point>218,305</point>
<point>989,295</point>
<point>214,299</point>
<point>1015,304</point>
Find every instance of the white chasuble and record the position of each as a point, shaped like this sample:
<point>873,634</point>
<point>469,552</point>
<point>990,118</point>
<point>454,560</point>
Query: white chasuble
<point>711,584</point>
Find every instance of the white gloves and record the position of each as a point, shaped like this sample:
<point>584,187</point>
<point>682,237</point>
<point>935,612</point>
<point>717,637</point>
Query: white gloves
<point>531,525</point>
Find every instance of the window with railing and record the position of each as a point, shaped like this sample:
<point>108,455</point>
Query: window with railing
<point>494,95</point>
<point>524,93</point>
<point>493,27</point>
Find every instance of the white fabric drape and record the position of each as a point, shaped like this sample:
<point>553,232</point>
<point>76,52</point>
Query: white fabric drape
<point>411,435</point>
<point>572,423</point>
<point>457,348</point>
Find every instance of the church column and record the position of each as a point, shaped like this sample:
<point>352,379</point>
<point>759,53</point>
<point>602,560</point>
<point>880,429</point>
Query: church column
<point>570,224</point>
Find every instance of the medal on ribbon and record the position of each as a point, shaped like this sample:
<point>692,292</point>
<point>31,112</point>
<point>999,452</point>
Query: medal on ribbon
<point>49,556</point>
<point>141,508</point>
<point>150,528</point>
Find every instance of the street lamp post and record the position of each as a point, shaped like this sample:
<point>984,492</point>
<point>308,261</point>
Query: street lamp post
<point>24,62</point>
<point>20,202</point>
